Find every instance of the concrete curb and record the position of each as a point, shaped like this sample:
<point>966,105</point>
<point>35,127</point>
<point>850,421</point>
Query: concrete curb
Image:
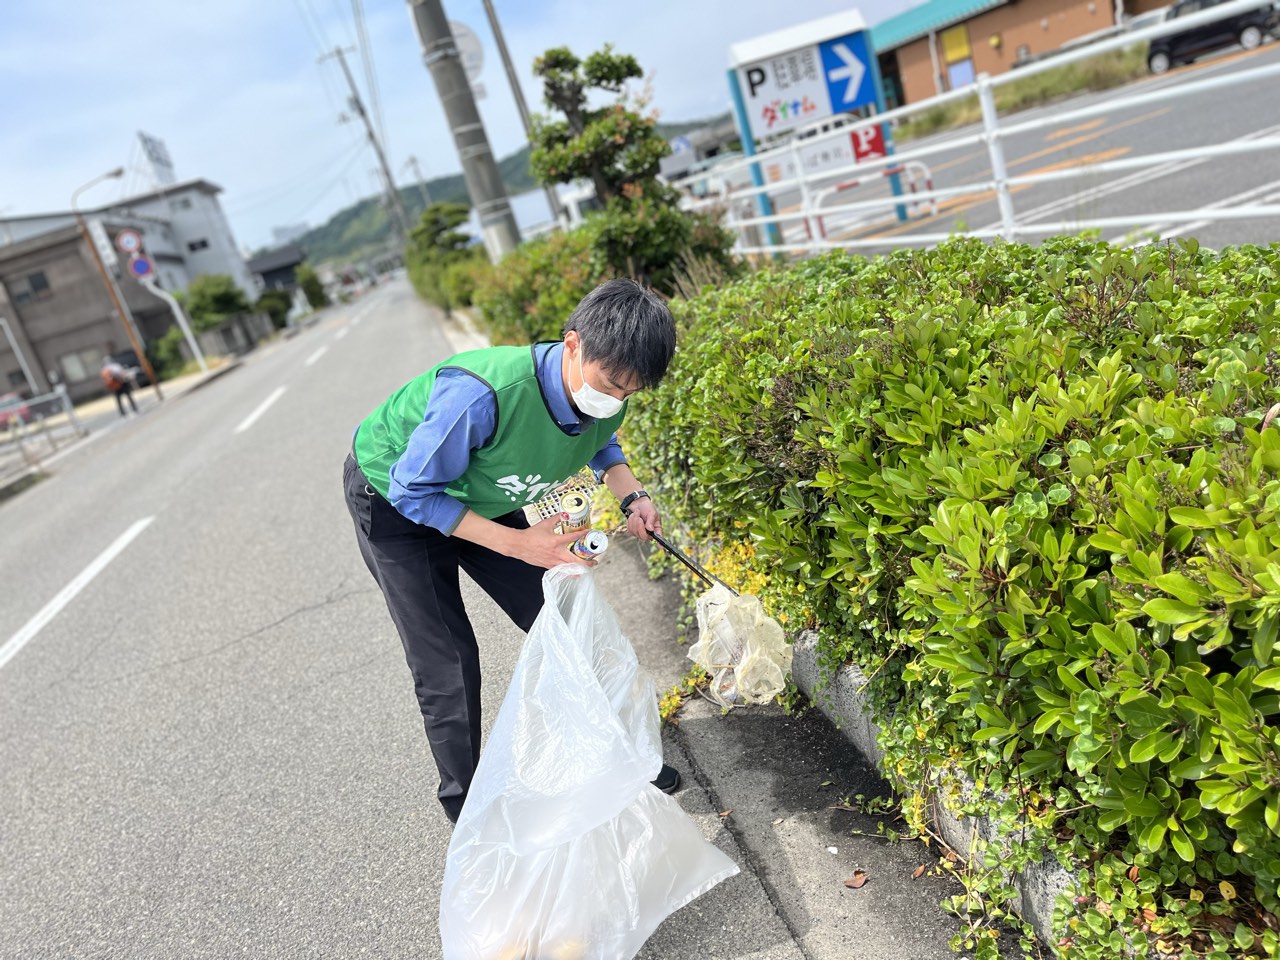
<point>842,700</point>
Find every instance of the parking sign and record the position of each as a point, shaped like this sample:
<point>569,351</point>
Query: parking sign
<point>790,89</point>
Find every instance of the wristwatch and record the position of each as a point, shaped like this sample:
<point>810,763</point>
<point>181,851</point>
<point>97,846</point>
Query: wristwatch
<point>631,498</point>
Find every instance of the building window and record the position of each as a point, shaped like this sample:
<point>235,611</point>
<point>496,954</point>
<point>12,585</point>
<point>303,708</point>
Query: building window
<point>32,287</point>
<point>17,379</point>
<point>183,203</point>
<point>197,245</point>
<point>82,365</point>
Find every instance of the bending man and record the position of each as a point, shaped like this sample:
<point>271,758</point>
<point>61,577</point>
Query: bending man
<point>439,475</point>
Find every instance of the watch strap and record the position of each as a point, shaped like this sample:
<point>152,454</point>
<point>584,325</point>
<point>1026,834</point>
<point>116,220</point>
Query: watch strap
<point>631,498</point>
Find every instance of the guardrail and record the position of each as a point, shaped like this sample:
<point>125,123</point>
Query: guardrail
<point>802,226</point>
<point>33,430</point>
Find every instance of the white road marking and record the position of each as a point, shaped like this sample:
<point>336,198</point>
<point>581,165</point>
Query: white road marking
<point>340,334</point>
<point>316,356</point>
<point>252,418</point>
<point>68,593</point>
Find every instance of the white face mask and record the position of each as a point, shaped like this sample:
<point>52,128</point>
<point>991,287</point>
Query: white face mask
<point>590,400</point>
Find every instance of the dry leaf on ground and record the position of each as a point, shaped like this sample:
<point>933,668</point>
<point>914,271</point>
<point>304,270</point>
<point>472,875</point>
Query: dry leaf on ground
<point>857,880</point>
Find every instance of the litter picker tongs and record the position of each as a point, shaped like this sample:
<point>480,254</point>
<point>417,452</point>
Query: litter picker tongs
<point>707,578</point>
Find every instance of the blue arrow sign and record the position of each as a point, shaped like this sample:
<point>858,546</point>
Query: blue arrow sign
<point>846,62</point>
<point>140,266</point>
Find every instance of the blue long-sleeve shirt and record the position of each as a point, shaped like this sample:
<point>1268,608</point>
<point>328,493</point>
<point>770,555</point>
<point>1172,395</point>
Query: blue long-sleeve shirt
<point>461,417</point>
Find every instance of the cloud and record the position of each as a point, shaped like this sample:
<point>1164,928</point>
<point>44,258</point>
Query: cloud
<point>234,89</point>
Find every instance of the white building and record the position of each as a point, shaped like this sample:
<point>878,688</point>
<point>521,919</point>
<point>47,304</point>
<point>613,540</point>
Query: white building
<point>183,225</point>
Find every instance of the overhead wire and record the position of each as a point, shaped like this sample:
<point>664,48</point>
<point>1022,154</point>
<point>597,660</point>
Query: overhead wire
<point>370,74</point>
<point>297,181</point>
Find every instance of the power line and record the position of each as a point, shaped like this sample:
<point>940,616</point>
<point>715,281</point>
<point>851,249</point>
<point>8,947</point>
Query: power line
<point>317,35</point>
<point>332,183</point>
<point>253,199</point>
<point>370,75</point>
<point>393,196</point>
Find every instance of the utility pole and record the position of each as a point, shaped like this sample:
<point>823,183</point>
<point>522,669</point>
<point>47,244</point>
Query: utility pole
<point>393,196</point>
<point>422,184</point>
<point>117,300</point>
<point>108,281</point>
<point>484,183</point>
<point>553,199</point>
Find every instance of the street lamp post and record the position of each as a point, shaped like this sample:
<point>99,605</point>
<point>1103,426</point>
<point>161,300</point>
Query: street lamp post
<point>112,290</point>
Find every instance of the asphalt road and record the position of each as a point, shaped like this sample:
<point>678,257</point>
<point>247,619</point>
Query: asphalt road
<point>1243,111</point>
<point>209,745</point>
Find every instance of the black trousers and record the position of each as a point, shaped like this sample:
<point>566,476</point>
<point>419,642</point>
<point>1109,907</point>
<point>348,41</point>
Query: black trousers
<point>417,569</point>
<point>125,393</point>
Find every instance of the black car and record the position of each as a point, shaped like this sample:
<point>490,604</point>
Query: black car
<point>129,360</point>
<point>1247,29</point>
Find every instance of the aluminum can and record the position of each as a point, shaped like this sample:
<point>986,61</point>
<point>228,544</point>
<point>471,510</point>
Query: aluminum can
<point>577,511</point>
<point>590,545</point>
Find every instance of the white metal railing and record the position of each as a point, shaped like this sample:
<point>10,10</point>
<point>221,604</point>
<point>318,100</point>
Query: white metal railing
<point>31,430</point>
<point>804,224</point>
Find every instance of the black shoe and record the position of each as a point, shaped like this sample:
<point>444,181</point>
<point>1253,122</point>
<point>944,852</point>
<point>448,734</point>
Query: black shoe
<point>668,781</point>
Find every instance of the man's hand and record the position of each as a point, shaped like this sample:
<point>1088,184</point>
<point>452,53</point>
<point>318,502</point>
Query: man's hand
<point>642,517</point>
<point>541,546</point>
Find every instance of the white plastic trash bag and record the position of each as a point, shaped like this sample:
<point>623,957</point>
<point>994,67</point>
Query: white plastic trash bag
<point>741,647</point>
<point>564,849</point>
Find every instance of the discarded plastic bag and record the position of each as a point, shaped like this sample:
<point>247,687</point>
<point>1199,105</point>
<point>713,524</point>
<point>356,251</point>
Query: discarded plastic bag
<point>564,849</point>
<point>743,649</point>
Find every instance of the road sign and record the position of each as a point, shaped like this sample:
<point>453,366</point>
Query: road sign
<point>128,241</point>
<point>868,142</point>
<point>140,266</point>
<point>469,49</point>
<point>792,77</point>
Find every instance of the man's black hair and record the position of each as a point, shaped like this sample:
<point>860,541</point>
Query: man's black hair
<point>627,329</point>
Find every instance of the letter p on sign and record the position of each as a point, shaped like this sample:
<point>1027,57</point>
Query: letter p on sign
<point>868,142</point>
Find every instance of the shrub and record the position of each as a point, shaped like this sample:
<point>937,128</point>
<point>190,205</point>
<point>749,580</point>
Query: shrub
<point>212,297</point>
<point>166,354</point>
<point>277,304</point>
<point>460,278</point>
<point>1032,491</point>
<point>311,286</point>
<point>530,294</point>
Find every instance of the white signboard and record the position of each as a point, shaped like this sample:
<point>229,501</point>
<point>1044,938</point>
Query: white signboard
<point>158,159</point>
<point>792,88</point>
<point>106,251</point>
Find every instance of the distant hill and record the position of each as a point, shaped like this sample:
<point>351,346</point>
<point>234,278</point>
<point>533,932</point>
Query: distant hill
<point>364,228</point>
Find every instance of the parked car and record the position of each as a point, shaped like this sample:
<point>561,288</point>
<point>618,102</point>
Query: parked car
<point>1247,29</point>
<point>129,360</point>
<point>13,405</point>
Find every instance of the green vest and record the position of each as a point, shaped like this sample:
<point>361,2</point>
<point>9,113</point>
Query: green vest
<point>528,454</point>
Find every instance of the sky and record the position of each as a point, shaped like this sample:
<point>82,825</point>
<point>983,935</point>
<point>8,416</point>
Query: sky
<point>234,89</point>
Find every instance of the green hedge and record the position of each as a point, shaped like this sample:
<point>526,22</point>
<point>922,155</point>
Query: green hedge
<point>530,294</point>
<point>1029,489</point>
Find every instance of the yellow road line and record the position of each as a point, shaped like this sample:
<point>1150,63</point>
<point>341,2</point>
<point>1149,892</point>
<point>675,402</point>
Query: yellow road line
<point>1079,128</point>
<point>952,205</point>
<point>961,204</point>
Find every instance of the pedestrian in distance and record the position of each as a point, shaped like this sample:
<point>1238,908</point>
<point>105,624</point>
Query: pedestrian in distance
<point>120,382</point>
<point>440,472</point>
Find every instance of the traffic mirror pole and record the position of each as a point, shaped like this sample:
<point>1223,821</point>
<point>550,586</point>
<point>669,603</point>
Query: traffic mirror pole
<point>176,309</point>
